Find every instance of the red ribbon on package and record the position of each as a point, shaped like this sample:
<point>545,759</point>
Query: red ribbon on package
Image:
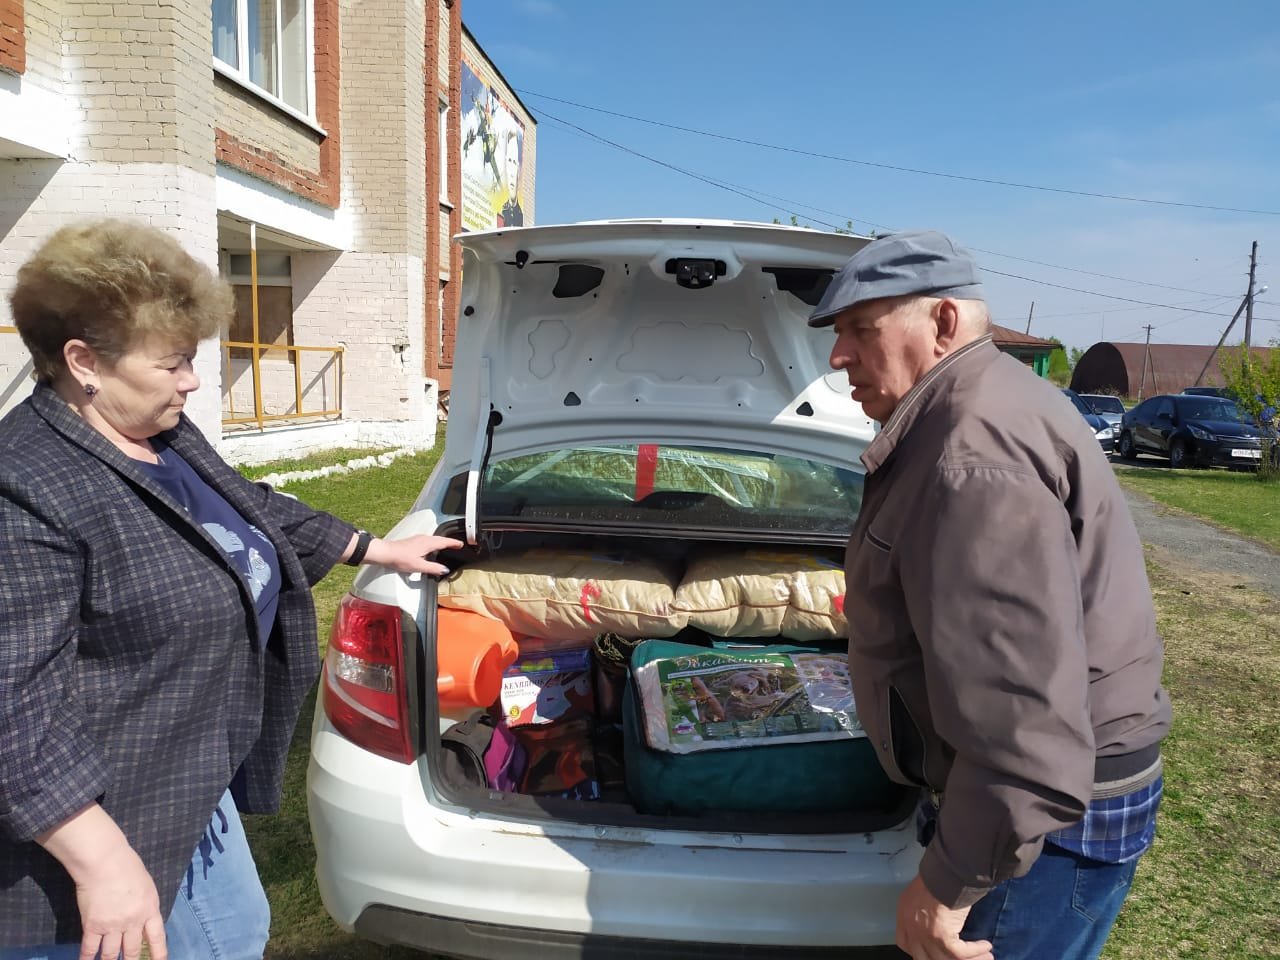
<point>589,590</point>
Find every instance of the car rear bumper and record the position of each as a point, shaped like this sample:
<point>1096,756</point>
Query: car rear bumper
<point>397,869</point>
<point>479,941</point>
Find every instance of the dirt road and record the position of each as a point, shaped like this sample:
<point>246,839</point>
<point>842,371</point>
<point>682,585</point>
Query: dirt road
<point>1185,544</point>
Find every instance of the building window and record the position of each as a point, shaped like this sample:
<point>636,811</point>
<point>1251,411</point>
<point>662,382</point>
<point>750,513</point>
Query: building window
<point>444,285</point>
<point>268,44</point>
<point>275,304</point>
<point>442,134</point>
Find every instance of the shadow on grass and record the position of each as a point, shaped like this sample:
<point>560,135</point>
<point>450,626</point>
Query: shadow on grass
<point>285,855</point>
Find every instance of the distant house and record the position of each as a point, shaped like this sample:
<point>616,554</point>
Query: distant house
<point>1170,368</point>
<point>1033,351</point>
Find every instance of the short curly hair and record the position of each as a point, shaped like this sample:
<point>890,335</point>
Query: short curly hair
<point>113,283</point>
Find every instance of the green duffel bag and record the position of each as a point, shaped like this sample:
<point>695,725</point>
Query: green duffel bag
<point>761,729</point>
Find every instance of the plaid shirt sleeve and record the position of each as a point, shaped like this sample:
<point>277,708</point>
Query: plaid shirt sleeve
<point>1114,829</point>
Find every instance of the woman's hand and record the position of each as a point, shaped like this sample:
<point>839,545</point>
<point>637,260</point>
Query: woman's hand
<point>119,905</point>
<point>410,554</point>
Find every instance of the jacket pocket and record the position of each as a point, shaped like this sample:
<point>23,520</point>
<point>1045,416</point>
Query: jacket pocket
<point>877,541</point>
<point>907,743</point>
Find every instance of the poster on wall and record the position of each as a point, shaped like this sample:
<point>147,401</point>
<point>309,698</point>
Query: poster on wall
<point>492,151</point>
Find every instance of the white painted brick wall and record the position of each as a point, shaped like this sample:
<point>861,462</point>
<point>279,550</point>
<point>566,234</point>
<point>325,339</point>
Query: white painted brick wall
<point>371,304</point>
<point>39,196</point>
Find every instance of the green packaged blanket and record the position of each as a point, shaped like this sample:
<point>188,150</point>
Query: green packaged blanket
<point>770,728</point>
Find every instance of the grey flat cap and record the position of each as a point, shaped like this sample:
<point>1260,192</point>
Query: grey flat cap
<point>921,262</point>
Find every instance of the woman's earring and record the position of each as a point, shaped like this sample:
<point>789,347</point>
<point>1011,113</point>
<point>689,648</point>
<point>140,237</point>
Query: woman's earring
<point>90,390</point>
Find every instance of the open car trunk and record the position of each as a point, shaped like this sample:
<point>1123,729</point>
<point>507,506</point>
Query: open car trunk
<point>606,798</point>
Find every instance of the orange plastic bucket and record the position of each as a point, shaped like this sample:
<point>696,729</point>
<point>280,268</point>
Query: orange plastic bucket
<point>472,651</point>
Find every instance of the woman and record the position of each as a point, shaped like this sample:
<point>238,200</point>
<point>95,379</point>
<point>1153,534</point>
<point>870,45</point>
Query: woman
<point>157,633</point>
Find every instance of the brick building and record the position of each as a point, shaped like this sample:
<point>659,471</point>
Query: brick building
<point>318,141</point>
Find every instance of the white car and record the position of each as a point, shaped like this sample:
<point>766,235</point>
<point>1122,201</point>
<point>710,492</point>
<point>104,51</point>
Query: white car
<point>641,342</point>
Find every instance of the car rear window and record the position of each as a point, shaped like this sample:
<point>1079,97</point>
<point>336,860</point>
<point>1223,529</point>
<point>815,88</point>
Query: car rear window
<point>674,485</point>
<point>1106,404</point>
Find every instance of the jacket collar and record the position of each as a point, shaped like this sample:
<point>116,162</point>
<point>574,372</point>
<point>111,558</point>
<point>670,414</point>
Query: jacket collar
<point>937,382</point>
<point>55,411</point>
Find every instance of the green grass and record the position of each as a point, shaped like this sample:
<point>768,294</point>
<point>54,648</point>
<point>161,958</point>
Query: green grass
<point>1236,501</point>
<point>374,499</point>
<point>313,462</point>
<point>1209,888</point>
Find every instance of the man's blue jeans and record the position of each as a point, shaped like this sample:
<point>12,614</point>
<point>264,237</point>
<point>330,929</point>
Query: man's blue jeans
<point>221,912</point>
<point>1063,908</point>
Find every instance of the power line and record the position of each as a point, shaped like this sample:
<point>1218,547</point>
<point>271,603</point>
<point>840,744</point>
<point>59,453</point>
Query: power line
<point>755,196</point>
<point>900,169</point>
<point>1095,293</point>
<point>1105,276</point>
<point>742,192</point>
<point>1157,326</point>
<point>1113,310</point>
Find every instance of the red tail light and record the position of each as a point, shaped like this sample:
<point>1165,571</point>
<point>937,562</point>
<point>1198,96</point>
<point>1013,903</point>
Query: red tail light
<point>364,683</point>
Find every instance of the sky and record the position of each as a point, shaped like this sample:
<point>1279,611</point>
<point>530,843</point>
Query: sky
<point>1175,105</point>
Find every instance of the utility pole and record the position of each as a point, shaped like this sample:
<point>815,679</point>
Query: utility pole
<point>1222,339</point>
<point>1248,313</point>
<point>1031,314</point>
<point>1146,355</point>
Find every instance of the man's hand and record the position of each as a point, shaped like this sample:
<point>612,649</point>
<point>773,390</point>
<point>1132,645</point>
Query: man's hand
<point>929,931</point>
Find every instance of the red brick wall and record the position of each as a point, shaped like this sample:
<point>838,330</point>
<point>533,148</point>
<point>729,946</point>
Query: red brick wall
<point>13,38</point>
<point>431,259</point>
<point>453,294</point>
<point>321,185</point>
<point>437,358</point>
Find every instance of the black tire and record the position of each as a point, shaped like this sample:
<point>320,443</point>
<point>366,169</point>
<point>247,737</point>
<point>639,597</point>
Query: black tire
<point>1178,455</point>
<point>1125,449</point>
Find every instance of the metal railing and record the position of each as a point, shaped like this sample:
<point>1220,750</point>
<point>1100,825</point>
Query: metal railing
<point>259,415</point>
<point>256,348</point>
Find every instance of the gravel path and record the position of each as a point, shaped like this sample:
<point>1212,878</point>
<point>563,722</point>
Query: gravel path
<point>1187,544</point>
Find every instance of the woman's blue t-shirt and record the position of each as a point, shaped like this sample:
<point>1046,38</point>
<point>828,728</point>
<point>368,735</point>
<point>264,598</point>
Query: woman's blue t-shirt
<point>245,545</point>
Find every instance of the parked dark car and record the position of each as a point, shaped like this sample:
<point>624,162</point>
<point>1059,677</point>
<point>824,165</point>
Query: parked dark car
<point>1105,433</point>
<point>1192,431</point>
<point>1109,408</point>
<point>1210,392</point>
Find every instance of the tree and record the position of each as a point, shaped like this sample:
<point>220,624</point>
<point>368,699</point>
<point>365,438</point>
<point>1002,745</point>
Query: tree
<point>1074,358</point>
<point>1059,366</point>
<point>1254,381</point>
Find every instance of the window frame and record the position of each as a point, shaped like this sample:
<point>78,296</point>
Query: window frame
<point>442,134</point>
<point>239,73</point>
<point>269,351</point>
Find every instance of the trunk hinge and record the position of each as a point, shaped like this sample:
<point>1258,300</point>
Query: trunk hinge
<point>480,455</point>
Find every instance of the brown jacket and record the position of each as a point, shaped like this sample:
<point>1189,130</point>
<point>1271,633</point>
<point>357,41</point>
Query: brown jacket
<point>1001,632</point>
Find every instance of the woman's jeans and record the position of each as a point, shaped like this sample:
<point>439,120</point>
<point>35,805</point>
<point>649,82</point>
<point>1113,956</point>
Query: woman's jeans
<point>221,912</point>
<point>1062,908</point>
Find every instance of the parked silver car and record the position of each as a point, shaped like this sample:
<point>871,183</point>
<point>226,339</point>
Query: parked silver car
<point>1109,408</point>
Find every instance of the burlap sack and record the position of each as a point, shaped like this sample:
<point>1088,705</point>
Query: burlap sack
<point>764,593</point>
<point>564,595</point>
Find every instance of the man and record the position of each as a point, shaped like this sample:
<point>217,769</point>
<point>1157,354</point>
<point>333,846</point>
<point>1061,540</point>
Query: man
<point>1002,639</point>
